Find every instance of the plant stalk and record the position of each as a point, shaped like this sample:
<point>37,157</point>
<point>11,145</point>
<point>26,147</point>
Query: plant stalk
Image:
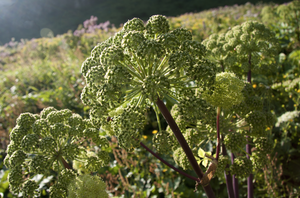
<point>65,164</point>
<point>218,133</point>
<point>168,117</point>
<point>166,163</point>
<point>235,181</point>
<point>227,174</point>
<point>248,146</point>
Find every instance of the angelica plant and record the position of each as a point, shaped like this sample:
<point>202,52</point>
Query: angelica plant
<point>142,67</point>
<point>247,49</point>
<point>47,144</point>
<point>139,68</point>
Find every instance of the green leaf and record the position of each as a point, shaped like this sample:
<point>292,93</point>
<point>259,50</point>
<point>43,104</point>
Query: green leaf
<point>199,160</point>
<point>177,182</point>
<point>201,153</point>
<point>205,162</point>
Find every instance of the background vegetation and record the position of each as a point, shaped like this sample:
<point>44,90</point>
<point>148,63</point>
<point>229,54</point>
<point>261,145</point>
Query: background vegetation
<point>25,19</point>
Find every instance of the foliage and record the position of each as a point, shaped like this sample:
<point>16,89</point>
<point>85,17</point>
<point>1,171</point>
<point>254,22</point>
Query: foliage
<point>36,74</point>
<point>61,16</point>
<point>43,144</point>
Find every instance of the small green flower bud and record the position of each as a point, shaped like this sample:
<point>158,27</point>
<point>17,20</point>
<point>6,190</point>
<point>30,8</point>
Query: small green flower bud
<point>71,151</point>
<point>66,176</point>
<point>57,130</point>
<point>193,136</point>
<point>16,159</point>
<point>18,133</point>
<point>87,65</point>
<point>111,55</point>
<point>75,120</point>
<point>259,160</point>
<point>96,52</point>
<point>160,142</point>
<point>39,164</point>
<point>26,120</point>
<point>55,117</point>
<point>100,140</point>
<point>157,24</point>
<point>29,187</point>
<point>241,167</point>
<point>58,191</point>
<point>29,142</point>
<point>48,145</point>
<point>6,161</point>
<point>46,111</point>
<point>227,91</point>
<point>41,127</point>
<point>257,121</point>
<point>222,163</point>
<point>87,186</point>
<point>263,145</point>
<point>132,40</point>
<point>12,147</point>
<point>134,24</point>
<point>91,132</point>
<point>181,159</point>
<point>182,34</point>
<point>235,141</point>
<point>150,48</point>
<point>15,177</point>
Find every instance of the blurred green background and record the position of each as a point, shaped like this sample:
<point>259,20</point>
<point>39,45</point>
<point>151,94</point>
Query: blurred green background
<point>26,18</point>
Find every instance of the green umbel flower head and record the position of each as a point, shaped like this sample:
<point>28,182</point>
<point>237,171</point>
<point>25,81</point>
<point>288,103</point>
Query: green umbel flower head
<point>135,67</point>
<point>249,46</point>
<point>43,145</point>
<point>227,91</point>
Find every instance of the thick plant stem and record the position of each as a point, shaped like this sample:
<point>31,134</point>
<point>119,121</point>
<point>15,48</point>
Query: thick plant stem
<point>248,146</point>
<point>218,133</point>
<point>168,117</point>
<point>235,181</point>
<point>227,174</point>
<point>65,164</point>
<point>166,163</point>
<point>250,178</point>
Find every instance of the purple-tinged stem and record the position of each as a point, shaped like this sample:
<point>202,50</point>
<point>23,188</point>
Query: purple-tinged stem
<point>250,178</point>
<point>166,163</point>
<point>227,174</point>
<point>248,146</point>
<point>168,117</point>
<point>66,165</point>
<point>235,180</point>
<point>218,133</point>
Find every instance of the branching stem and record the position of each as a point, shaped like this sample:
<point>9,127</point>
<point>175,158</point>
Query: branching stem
<point>65,164</point>
<point>168,117</point>
<point>227,174</point>
<point>166,163</point>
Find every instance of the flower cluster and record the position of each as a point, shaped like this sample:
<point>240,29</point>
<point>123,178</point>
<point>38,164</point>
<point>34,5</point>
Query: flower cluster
<point>87,186</point>
<point>90,26</point>
<point>249,46</point>
<point>128,72</point>
<point>227,91</point>
<point>244,49</point>
<point>241,167</point>
<point>43,144</point>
